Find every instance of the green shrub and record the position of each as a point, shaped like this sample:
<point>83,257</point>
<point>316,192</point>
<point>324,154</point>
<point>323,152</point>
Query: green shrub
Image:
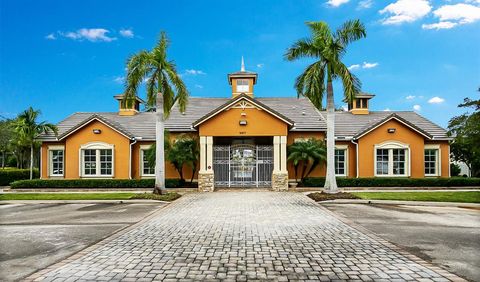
<point>94,183</point>
<point>8,176</point>
<point>150,196</point>
<point>395,182</point>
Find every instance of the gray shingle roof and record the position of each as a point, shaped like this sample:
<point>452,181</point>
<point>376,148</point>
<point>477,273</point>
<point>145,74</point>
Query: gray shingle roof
<point>300,111</point>
<point>349,125</point>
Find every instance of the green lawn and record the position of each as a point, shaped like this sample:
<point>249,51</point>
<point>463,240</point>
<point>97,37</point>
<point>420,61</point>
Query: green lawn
<point>86,196</point>
<point>460,196</point>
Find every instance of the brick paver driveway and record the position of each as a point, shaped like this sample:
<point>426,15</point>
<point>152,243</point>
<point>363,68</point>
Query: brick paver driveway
<point>244,236</point>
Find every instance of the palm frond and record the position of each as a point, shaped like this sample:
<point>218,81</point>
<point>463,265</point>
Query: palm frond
<point>350,31</point>
<point>138,68</point>
<point>351,84</point>
<point>302,48</point>
<point>310,83</point>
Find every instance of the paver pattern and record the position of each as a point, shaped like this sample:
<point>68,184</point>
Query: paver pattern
<point>240,236</point>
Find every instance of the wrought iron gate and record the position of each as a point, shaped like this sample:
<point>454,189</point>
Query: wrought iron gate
<point>243,165</point>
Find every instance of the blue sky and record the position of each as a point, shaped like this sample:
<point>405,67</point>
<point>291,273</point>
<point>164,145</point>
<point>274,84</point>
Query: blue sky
<point>68,56</point>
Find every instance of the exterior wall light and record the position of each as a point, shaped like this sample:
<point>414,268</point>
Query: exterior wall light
<point>243,114</point>
<point>97,131</point>
<point>243,122</point>
<point>391,130</point>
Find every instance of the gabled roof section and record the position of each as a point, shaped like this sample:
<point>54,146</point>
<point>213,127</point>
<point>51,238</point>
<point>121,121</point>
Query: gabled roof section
<point>391,116</point>
<point>109,123</point>
<point>237,99</point>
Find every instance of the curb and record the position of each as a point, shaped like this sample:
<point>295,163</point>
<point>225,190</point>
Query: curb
<point>436,268</point>
<point>133,201</point>
<point>40,274</point>
<point>404,203</point>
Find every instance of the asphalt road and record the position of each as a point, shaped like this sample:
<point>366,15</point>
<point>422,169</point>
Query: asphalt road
<point>34,236</point>
<point>447,236</point>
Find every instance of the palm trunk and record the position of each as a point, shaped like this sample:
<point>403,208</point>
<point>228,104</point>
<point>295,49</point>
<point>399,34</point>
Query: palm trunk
<point>31,161</point>
<point>330,180</point>
<point>160,148</point>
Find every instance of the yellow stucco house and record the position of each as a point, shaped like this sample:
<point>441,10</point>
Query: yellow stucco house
<point>244,139</point>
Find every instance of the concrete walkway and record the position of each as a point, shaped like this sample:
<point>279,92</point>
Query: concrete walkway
<point>241,236</point>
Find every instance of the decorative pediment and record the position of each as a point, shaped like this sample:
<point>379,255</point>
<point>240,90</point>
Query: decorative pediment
<point>243,104</point>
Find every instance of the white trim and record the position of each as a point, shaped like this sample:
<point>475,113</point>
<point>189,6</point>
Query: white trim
<point>438,161</point>
<point>402,122</point>
<point>390,146</point>
<point>141,154</point>
<point>236,100</point>
<point>345,148</point>
<point>89,121</point>
<point>51,148</point>
<point>97,146</point>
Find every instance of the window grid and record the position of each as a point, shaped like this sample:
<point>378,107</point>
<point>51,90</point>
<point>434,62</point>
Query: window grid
<point>90,162</point>
<point>57,162</point>
<point>431,161</point>
<point>340,161</point>
<point>105,162</point>
<point>382,161</point>
<point>398,161</point>
<point>147,169</point>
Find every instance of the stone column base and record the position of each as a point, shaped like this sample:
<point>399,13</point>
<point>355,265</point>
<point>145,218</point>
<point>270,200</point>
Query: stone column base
<point>280,181</point>
<point>205,181</point>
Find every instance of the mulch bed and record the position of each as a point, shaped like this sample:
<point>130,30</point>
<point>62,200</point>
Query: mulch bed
<point>322,196</point>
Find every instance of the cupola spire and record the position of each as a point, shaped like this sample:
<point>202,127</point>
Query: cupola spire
<point>242,68</point>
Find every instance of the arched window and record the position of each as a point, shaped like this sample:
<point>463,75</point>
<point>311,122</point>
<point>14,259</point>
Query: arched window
<point>97,160</point>
<point>392,158</point>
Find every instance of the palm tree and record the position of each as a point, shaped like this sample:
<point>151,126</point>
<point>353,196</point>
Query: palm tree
<point>307,153</point>
<point>29,130</point>
<point>164,87</point>
<point>327,48</point>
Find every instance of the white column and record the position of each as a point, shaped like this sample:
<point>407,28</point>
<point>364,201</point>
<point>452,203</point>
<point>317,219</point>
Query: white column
<point>203,153</point>
<point>209,153</point>
<point>283,153</point>
<point>276,153</point>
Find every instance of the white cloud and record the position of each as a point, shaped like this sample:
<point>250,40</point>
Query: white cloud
<point>336,3</point>
<point>194,72</point>
<point>128,33</point>
<point>410,97</point>
<point>199,86</point>
<point>436,100</point>
<point>51,36</point>
<point>405,11</point>
<point>90,34</point>
<point>354,67</point>
<point>365,4</point>
<point>369,65</point>
<point>417,108</point>
<point>260,66</point>
<point>119,79</point>
<point>365,65</point>
<point>453,15</point>
<point>387,110</point>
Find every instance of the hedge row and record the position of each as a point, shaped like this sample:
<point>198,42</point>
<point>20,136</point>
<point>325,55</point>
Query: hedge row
<point>395,182</point>
<point>8,176</point>
<point>94,183</point>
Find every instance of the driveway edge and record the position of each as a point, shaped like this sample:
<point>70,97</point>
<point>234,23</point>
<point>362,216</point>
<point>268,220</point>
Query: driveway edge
<point>437,268</point>
<point>405,203</point>
<point>40,274</point>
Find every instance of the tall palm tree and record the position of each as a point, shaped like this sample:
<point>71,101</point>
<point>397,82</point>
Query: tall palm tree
<point>29,130</point>
<point>164,87</point>
<point>328,49</point>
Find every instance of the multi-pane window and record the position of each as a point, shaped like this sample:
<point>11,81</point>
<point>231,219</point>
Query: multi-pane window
<point>97,162</point>
<point>391,162</point>
<point>147,169</point>
<point>56,162</point>
<point>398,161</point>
<point>382,161</point>
<point>340,161</point>
<point>106,162</point>
<point>431,156</point>
<point>90,162</point>
<point>242,85</point>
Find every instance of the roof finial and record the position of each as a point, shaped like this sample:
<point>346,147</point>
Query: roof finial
<point>243,65</point>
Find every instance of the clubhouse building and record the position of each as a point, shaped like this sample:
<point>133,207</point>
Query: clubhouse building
<point>243,140</point>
